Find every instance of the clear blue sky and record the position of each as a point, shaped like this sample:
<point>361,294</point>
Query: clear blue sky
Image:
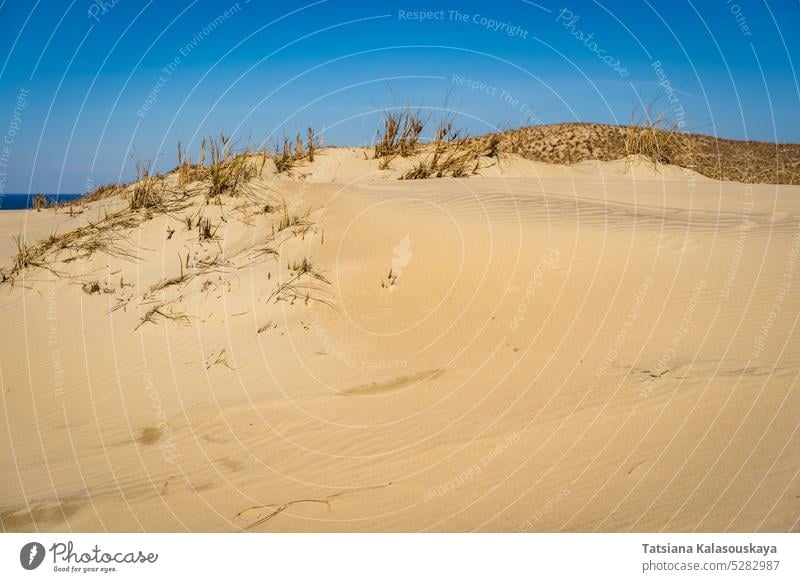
<point>76,76</point>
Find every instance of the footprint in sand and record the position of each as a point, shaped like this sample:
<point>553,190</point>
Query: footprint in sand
<point>149,435</point>
<point>46,514</point>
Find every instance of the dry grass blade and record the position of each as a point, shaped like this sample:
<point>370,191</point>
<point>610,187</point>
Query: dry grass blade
<point>263,252</point>
<point>156,312</point>
<point>173,281</point>
<point>269,325</point>
<point>220,358</point>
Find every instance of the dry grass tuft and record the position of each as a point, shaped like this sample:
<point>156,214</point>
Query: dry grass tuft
<point>285,157</point>
<point>146,192</point>
<point>493,146</point>
<point>656,137</point>
<point>38,202</point>
<point>186,170</point>
<point>391,279</point>
<point>226,172</point>
<point>206,231</point>
<point>107,235</point>
<point>400,136</point>
<point>217,358</point>
<point>311,145</point>
<point>27,256</point>
<point>453,154</point>
<point>304,283</point>
<point>291,220</point>
<point>103,191</point>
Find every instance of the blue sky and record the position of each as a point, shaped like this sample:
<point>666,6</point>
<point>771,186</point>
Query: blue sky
<point>84,84</point>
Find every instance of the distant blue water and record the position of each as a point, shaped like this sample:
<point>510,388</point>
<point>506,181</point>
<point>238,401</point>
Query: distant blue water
<point>22,201</point>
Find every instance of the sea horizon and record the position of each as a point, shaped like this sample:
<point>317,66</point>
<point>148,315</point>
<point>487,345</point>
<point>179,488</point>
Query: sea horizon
<point>23,201</point>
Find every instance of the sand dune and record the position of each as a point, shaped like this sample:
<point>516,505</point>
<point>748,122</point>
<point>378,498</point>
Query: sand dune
<point>539,348</point>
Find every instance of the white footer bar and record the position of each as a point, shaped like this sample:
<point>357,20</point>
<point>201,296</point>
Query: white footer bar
<point>388,557</point>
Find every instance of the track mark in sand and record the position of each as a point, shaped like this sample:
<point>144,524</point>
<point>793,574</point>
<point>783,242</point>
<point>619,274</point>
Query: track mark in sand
<point>48,513</point>
<point>274,510</point>
<point>636,466</point>
<point>751,371</point>
<point>232,465</point>
<point>212,439</point>
<point>205,486</point>
<point>393,384</point>
<point>654,374</point>
<point>149,435</point>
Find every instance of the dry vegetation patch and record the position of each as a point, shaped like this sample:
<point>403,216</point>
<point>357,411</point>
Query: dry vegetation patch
<point>286,157</point>
<point>399,136</point>
<point>722,159</point>
<point>451,152</point>
<point>181,198</point>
